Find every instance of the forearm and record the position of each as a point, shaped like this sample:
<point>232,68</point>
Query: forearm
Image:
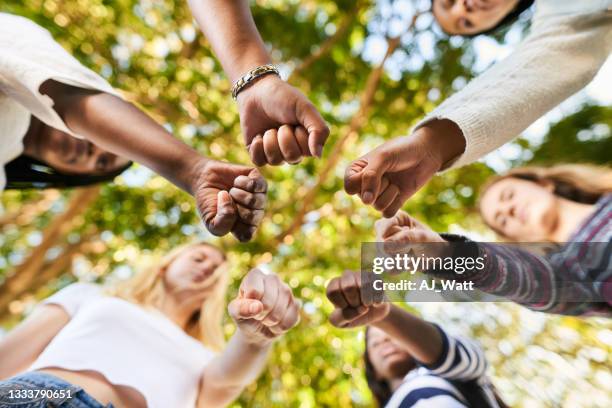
<point>421,338</point>
<point>123,129</point>
<point>239,365</point>
<point>507,271</point>
<point>243,360</point>
<point>498,105</point>
<point>229,27</point>
<point>24,344</point>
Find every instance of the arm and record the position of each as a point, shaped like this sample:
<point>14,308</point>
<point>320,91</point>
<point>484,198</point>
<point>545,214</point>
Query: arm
<point>227,375</point>
<point>22,346</point>
<point>432,347</point>
<point>229,26</point>
<point>279,123</point>
<point>539,282</point>
<point>223,191</point>
<point>263,311</point>
<point>560,57</point>
<point>121,128</point>
<point>427,343</point>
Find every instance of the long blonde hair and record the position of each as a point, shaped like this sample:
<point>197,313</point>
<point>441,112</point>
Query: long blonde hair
<point>582,183</point>
<point>147,289</point>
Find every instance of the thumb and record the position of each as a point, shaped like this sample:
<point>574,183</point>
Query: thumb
<point>317,129</point>
<point>225,216</point>
<point>371,179</point>
<point>245,308</point>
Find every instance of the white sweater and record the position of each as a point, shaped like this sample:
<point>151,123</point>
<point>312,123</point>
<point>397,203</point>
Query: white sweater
<point>568,43</point>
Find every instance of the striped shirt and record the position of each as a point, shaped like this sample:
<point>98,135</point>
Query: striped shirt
<point>573,280</point>
<point>451,382</point>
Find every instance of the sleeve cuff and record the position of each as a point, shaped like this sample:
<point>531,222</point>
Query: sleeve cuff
<point>443,355</point>
<point>473,131</point>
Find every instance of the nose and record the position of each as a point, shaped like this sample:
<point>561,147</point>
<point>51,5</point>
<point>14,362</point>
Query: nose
<point>461,8</point>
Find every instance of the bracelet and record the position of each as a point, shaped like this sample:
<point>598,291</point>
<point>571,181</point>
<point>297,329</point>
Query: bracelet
<point>251,76</point>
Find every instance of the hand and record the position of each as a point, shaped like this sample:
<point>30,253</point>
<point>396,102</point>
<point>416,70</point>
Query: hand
<point>390,174</point>
<point>403,228</point>
<point>279,123</point>
<point>229,197</point>
<point>352,307</point>
<point>402,233</point>
<point>265,307</point>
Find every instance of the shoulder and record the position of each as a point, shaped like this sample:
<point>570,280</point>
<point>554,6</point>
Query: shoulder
<point>73,296</point>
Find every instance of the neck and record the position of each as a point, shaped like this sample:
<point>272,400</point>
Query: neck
<point>32,141</point>
<point>179,309</point>
<point>395,383</point>
<point>570,217</point>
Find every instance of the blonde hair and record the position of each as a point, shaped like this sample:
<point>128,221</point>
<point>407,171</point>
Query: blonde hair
<point>147,289</point>
<point>582,183</point>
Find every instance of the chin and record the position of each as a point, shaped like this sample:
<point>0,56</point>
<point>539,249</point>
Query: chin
<point>398,367</point>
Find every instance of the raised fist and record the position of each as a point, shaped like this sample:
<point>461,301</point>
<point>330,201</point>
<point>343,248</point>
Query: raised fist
<point>265,307</point>
<point>352,306</point>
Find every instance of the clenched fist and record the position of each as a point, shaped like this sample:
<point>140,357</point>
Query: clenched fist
<point>404,234</point>
<point>230,198</point>
<point>390,174</point>
<point>352,306</point>
<point>402,228</point>
<point>265,307</point>
<point>279,123</point>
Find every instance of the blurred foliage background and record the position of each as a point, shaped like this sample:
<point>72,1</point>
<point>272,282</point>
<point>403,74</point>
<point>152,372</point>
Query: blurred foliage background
<point>373,69</point>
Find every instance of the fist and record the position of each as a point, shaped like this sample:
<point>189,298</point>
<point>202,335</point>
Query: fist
<point>279,123</point>
<point>390,174</point>
<point>353,307</point>
<point>230,198</point>
<point>402,228</point>
<point>265,307</point>
<point>404,234</point>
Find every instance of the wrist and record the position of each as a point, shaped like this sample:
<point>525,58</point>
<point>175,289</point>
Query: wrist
<point>254,342</point>
<point>247,62</point>
<point>443,140</point>
<point>194,168</point>
<point>268,80</point>
<point>387,321</point>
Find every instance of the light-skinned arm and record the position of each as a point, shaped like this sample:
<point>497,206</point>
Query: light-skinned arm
<point>263,311</point>
<point>22,345</point>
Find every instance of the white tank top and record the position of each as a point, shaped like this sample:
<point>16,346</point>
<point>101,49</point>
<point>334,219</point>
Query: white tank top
<point>129,345</point>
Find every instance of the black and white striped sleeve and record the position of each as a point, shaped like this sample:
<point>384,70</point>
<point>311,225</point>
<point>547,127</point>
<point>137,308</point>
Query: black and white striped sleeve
<point>461,359</point>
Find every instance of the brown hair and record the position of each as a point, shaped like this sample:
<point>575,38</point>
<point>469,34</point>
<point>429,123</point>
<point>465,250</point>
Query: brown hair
<point>147,288</point>
<point>581,183</point>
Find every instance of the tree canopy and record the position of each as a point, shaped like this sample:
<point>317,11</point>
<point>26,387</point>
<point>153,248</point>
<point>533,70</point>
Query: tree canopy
<point>373,69</point>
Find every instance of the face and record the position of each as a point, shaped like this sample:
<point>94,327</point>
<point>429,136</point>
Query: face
<point>191,274</point>
<point>466,17</point>
<point>390,361</point>
<point>520,209</point>
<point>70,155</point>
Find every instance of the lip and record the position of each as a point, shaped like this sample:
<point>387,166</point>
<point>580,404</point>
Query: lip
<point>387,352</point>
<point>200,276</point>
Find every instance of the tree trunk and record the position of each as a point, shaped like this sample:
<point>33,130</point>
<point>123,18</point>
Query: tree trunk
<point>20,279</point>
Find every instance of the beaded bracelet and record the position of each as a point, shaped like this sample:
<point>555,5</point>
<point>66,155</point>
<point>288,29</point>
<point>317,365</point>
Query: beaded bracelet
<point>251,76</point>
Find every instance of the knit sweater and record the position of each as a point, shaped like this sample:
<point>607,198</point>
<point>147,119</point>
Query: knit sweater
<point>569,41</point>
